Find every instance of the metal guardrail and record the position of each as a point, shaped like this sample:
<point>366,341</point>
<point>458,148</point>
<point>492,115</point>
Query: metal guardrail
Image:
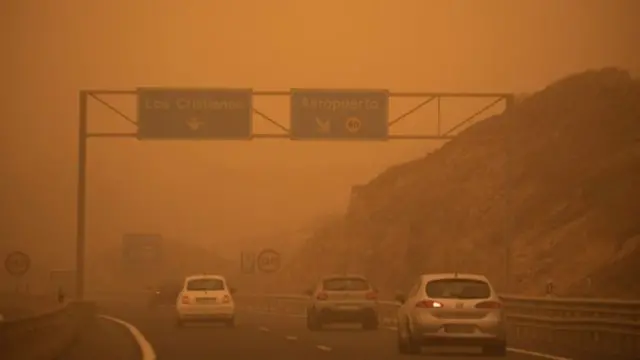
<point>45,335</point>
<point>596,327</point>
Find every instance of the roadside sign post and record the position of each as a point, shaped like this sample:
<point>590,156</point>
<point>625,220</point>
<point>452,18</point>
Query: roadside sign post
<point>269,261</point>
<point>339,114</point>
<point>247,262</point>
<point>17,263</point>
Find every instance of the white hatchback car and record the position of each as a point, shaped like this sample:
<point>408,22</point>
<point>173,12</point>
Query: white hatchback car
<point>206,298</point>
<point>451,309</point>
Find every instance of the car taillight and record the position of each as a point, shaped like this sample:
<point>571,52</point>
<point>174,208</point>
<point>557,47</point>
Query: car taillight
<point>226,299</point>
<point>489,305</point>
<point>429,304</point>
<point>372,295</point>
<point>185,299</point>
<point>322,296</point>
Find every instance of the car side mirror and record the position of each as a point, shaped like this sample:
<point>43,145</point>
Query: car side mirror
<point>232,290</point>
<point>308,292</point>
<point>401,299</point>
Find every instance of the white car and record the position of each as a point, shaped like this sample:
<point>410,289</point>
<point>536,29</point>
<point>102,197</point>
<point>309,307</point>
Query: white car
<point>206,298</point>
<point>451,310</point>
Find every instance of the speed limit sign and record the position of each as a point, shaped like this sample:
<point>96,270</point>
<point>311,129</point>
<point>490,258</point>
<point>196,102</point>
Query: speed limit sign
<point>268,261</point>
<point>17,263</point>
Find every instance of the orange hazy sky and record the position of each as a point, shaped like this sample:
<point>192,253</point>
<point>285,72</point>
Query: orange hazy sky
<point>223,193</point>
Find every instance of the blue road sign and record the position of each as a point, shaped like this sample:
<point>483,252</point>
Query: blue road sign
<point>190,114</point>
<point>142,248</point>
<point>339,114</point>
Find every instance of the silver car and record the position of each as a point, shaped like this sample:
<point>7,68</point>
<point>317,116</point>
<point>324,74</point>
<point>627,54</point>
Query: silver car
<point>342,299</point>
<point>451,309</point>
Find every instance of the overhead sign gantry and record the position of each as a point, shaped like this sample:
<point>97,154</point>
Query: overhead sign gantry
<point>165,113</point>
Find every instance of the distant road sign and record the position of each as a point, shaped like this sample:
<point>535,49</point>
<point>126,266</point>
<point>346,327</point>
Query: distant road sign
<point>165,113</point>
<point>247,262</point>
<point>339,114</point>
<point>142,248</point>
<point>269,261</point>
<point>17,263</point>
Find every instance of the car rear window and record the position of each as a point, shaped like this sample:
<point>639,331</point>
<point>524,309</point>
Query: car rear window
<point>345,284</point>
<point>205,284</point>
<point>458,289</point>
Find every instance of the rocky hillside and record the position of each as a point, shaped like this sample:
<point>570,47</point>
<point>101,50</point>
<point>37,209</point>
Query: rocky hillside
<point>553,186</point>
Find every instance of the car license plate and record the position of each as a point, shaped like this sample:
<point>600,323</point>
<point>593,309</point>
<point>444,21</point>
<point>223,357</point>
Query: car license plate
<point>348,307</point>
<point>206,300</point>
<point>459,329</point>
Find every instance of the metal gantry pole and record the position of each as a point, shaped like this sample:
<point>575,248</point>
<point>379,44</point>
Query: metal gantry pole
<point>508,221</point>
<point>81,195</point>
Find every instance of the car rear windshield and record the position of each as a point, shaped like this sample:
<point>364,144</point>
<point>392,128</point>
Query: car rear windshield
<point>345,284</point>
<point>458,289</point>
<point>205,285</point>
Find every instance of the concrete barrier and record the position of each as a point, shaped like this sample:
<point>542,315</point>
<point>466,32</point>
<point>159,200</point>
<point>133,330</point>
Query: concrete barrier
<point>45,335</point>
<point>18,305</point>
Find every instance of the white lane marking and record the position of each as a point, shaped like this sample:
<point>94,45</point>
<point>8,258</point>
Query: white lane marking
<point>515,350</point>
<point>264,329</point>
<point>537,354</point>
<point>145,347</point>
<point>393,328</point>
<point>291,338</point>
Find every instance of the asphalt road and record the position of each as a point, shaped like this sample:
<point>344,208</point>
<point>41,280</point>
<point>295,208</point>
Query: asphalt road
<point>268,336</point>
<point>103,340</point>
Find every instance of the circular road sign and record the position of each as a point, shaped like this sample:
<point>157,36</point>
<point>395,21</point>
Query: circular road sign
<point>268,261</point>
<point>353,124</point>
<point>17,263</point>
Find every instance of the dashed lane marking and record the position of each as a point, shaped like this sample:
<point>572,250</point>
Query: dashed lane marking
<point>515,350</point>
<point>145,347</point>
<point>537,354</point>
<point>393,328</point>
<point>264,329</point>
<point>291,338</point>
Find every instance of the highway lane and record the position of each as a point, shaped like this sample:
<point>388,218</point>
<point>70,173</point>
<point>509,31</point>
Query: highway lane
<point>103,339</point>
<point>260,335</point>
<point>206,341</point>
<point>349,341</point>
